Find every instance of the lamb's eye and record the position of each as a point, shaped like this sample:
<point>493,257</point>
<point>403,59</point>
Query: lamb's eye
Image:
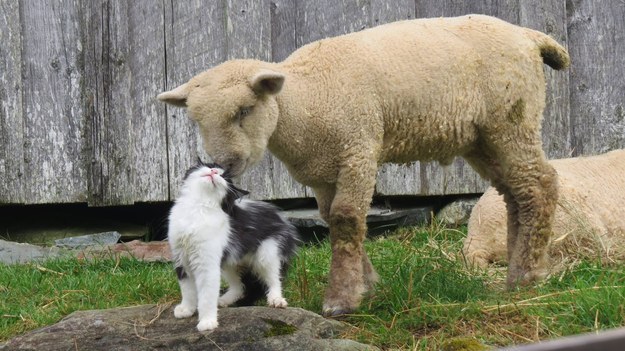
<point>242,113</point>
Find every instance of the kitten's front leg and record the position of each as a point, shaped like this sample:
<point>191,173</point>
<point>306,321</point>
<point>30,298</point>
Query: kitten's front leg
<point>207,282</point>
<point>188,305</point>
<point>235,287</point>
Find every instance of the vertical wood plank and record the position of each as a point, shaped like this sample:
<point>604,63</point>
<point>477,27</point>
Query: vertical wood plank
<point>596,33</point>
<point>250,33</point>
<point>11,113</point>
<point>327,18</point>
<point>109,107</point>
<point>149,120</point>
<point>53,125</point>
<point>507,10</point>
<point>283,43</point>
<point>283,29</point>
<point>248,36</point>
<point>550,17</point>
<point>383,11</point>
<point>195,40</point>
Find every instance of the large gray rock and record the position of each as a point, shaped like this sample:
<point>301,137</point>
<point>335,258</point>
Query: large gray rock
<point>152,327</point>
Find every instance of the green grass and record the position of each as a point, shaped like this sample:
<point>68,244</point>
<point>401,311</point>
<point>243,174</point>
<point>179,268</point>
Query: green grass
<point>36,295</point>
<point>427,299</point>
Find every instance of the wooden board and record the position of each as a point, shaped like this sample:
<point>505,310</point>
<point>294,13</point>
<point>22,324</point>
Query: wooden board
<point>79,121</point>
<point>11,112</point>
<point>195,39</point>
<point>108,107</point>
<point>149,120</point>
<point>54,159</point>
<point>596,32</point>
<point>550,17</point>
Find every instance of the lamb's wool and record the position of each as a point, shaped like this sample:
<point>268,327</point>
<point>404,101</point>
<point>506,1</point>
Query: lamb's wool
<point>589,219</point>
<point>427,89</point>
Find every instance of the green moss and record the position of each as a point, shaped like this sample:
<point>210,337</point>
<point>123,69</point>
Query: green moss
<point>463,344</point>
<point>278,328</point>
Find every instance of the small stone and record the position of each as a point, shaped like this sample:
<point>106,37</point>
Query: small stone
<point>91,240</point>
<point>456,213</point>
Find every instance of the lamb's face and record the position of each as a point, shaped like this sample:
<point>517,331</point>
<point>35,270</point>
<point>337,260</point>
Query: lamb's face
<point>235,107</point>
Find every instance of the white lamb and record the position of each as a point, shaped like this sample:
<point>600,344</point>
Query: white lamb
<point>427,89</point>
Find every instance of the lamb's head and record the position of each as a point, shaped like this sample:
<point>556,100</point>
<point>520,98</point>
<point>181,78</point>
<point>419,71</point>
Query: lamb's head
<point>235,107</point>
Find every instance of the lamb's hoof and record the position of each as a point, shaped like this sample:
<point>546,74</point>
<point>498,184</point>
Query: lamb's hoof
<point>337,312</point>
<point>526,279</point>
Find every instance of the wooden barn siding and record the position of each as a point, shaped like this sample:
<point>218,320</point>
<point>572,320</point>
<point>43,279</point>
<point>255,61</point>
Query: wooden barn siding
<point>79,121</point>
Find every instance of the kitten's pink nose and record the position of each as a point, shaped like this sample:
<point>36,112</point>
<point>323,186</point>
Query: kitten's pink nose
<point>213,171</point>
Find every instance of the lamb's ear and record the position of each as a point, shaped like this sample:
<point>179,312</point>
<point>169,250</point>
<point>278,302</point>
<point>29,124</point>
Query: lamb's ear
<point>176,97</point>
<point>267,82</point>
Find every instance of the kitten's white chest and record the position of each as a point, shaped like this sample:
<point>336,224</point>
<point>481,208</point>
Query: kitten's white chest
<point>197,230</point>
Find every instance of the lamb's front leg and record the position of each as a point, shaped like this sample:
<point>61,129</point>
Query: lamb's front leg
<point>351,272</point>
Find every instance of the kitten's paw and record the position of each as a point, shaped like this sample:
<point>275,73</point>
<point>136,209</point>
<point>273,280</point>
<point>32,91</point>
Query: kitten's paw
<point>227,300</point>
<point>183,311</point>
<point>207,324</point>
<point>278,302</point>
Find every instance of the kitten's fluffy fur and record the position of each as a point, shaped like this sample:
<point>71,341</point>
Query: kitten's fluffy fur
<point>210,229</point>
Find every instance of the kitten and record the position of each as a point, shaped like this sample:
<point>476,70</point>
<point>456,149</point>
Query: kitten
<point>212,234</point>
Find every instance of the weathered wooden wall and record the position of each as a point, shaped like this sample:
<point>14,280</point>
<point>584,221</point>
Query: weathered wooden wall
<point>78,78</point>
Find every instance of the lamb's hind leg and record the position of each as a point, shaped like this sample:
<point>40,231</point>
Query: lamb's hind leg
<point>529,185</point>
<point>351,272</point>
<point>534,190</point>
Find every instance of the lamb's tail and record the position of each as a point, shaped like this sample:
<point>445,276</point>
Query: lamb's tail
<point>553,54</point>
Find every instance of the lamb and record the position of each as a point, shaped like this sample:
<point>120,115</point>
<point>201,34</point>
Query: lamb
<point>589,219</point>
<point>426,89</point>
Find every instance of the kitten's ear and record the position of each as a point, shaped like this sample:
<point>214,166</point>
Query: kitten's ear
<point>177,97</point>
<point>239,193</point>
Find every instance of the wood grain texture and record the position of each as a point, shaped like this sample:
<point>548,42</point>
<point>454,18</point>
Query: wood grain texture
<point>149,119</point>
<point>108,107</point>
<point>195,40</point>
<point>79,121</point>
<point>248,36</point>
<point>507,10</point>
<point>550,17</point>
<point>54,159</point>
<point>11,111</point>
<point>596,32</point>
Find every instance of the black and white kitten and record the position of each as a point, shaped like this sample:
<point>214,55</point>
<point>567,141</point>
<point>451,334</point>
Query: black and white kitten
<point>213,234</point>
